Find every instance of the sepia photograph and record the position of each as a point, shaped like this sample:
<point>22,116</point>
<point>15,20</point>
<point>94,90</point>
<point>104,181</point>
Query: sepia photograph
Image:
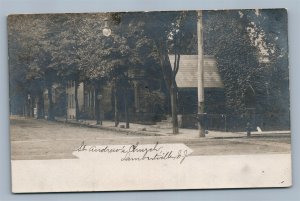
<point>160,100</point>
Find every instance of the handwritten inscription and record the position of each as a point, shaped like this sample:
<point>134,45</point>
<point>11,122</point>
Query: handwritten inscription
<point>138,152</point>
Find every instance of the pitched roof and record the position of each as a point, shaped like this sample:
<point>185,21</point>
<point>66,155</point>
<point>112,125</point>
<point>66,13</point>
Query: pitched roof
<point>188,71</point>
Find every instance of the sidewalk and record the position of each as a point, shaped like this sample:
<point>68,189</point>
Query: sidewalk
<point>150,130</point>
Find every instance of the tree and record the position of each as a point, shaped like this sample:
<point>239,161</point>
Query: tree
<point>179,37</point>
<point>65,52</point>
<point>270,37</point>
<point>226,38</point>
<point>26,40</point>
<point>250,47</point>
<point>102,57</point>
<point>166,30</point>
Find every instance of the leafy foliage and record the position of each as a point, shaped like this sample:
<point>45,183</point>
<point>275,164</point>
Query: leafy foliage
<point>235,38</point>
<point>250,47</point>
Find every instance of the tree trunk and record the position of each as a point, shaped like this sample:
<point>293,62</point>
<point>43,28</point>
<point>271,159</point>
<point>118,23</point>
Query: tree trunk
<point>40,106</point>
<point>50,105</point>
<point>116,107</point>
<point>77,113</point>
<point>97,103</point>
<point>32,102</point>
<point>126,108</point>
<point>24,108</point>
<point>173,95</point>
<point>27,108</point>
<point>66,100</point>
<point>169,75</point>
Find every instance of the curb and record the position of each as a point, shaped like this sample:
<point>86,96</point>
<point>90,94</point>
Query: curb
<point>158,133</point>
<point>123,130</point>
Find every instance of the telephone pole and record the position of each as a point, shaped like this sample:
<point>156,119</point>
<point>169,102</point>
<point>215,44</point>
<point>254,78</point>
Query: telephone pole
<point>200,75</point>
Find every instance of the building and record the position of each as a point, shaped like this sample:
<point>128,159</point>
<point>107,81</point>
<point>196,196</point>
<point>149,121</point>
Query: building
<point>146,95</point>
<point>187,83</point>
<point>70,98</point>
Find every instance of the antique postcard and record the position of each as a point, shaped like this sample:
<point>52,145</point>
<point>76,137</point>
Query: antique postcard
<point>149,100</point>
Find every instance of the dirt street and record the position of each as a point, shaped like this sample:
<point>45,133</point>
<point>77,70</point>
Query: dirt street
<point>40,139</point>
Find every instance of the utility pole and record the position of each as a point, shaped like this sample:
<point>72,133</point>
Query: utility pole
<point>200,75</point>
